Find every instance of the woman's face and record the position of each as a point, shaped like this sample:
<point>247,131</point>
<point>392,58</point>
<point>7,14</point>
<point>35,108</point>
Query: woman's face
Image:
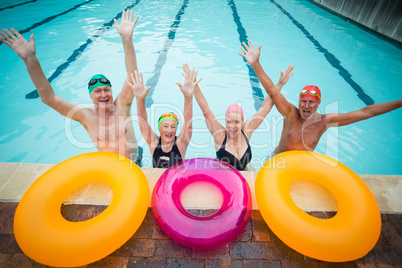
<point>234,123</point>
<point>168,130</point>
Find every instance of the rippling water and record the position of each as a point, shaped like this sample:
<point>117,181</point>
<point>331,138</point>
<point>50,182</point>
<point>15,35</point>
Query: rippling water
<point>75,40</point>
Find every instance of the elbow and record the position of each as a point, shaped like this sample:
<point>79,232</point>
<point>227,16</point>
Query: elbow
<point>271,92</point>
<point>46,100</point>
<point>207,113</point>
<point>188,125</point>
<point>368,112</point>
<point>47,96</point>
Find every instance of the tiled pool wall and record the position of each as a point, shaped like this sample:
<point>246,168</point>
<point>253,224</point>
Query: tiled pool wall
<point>381,16</point>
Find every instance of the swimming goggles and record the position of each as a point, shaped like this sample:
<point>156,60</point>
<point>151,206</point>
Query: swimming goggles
<point>102,80</point>
<point>312,93</point>
<point>169,114</point>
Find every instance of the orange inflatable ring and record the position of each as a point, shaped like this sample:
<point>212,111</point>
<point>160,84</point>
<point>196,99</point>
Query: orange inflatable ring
<point>347,236</point>
<point>45,236</point>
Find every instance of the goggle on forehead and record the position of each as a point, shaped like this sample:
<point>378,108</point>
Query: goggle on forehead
<point>167,114</point>
<point>312,93</point>
<point>102,80</point>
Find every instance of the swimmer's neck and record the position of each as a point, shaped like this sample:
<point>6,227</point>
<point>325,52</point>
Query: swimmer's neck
<point>234,141</point>
<point>104,112</point>
<point>166,146</point>
<point>311,119</point>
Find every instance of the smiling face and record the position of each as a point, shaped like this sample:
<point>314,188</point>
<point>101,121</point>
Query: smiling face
<point>307,107</point>
<point>102,97</point>
<point>234,123</point>
<point>168,130</point>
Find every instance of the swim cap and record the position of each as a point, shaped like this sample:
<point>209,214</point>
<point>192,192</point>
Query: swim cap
<point>312,92</point>
<point>95,82</point>
<point>165,116</point>
<point>235,108</point>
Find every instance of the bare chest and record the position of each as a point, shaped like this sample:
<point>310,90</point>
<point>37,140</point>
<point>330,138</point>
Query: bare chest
<point>305,136</point>
<point>109,131</point>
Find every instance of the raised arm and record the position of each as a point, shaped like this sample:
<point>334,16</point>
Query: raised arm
<point>126,29</point>
<point>252,56</point>
<point>27,52</point>
<point>187,89</point>
<point>214,127</point>
<point>137,86</point>
<point>254,122</point>
<point>338,120</point>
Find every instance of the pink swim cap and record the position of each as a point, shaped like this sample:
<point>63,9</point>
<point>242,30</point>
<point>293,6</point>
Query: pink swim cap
<point>235,108</point>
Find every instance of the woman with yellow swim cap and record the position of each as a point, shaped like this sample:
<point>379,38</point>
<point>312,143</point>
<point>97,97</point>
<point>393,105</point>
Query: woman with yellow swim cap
<point>167,149</point>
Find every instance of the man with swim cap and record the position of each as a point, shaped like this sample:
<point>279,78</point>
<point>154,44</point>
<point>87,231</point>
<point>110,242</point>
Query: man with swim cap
<point>108,122</point>
<point>303,126</point>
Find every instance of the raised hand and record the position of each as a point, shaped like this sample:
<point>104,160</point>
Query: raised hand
<point>251,55</point>
<point>285,76</point>
<point>138,86</point>
<point>16,42</point>
<point>126,27</point>
<point>190,77</point>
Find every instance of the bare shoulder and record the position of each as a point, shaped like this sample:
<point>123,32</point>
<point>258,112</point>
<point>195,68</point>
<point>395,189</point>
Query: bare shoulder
<point>293,115</point>
<point>118,108</point>
<point>219,136</point>
<point>86,115</point>
<point>329,118</point>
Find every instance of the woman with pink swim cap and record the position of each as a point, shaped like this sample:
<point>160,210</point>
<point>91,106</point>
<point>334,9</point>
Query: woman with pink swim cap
<point>232,142</point>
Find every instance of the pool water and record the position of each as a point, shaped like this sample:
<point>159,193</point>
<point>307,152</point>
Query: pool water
<point>76,39</point>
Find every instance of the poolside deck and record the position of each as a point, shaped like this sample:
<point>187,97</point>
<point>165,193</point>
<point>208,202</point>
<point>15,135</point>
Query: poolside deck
<point>257,246</point>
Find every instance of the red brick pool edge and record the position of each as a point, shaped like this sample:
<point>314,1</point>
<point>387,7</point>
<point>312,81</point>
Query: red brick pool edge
<point>257,246</point>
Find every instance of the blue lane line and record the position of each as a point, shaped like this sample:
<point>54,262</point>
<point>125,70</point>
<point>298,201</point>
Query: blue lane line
<point>1,9</point>
<point>255,84</point>
<point>153,81</point>
<point>49,19</point>
<point>331,59</point>
<point>78,52</point>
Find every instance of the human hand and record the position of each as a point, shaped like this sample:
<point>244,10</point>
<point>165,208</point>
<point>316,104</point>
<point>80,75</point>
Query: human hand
<point>16,42</point>
<point>138,86</point>
<point>251,55</point>
<point>285,76</point>
<point>190,81</point>
<point>126,27</point>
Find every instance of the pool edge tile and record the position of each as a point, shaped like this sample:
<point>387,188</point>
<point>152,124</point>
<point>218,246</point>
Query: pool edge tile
<point>386,189</point>
<point>7,171</point>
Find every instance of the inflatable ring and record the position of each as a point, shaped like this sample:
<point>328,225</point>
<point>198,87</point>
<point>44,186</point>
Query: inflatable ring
<point>347,236</point>
<point>202,232</point>
<point>45,236</point>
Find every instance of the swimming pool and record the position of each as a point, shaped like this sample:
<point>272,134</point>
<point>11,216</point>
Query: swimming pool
<point>76,39</point>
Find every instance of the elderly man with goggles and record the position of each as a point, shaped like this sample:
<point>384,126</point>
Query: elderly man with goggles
<point>302,125</point>
<point>108,122</point>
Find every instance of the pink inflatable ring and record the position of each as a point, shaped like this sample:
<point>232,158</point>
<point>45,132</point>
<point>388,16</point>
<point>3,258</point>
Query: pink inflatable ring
<point>202,232</point>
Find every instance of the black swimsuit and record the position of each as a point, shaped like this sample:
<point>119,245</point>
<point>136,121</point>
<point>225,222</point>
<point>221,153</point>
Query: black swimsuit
<point>229,158</point>
<point>161,159</point>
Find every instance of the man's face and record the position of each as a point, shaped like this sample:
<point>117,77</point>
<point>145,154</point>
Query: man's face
<point>102,97</point>
<point>307,107</point>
